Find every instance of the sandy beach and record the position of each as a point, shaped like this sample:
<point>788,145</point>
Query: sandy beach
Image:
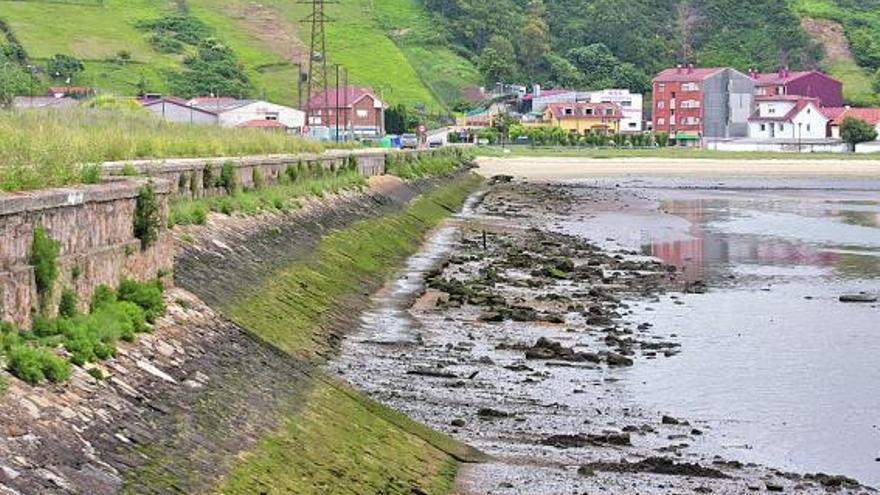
<point>570,168</point>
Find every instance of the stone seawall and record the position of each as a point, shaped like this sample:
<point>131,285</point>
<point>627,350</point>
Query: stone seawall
<point>182,406</point>
<point>94,226</point>
<point>188,175</point>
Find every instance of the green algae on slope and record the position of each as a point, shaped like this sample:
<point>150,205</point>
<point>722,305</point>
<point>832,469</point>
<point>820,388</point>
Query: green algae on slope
<point>339,441</point>
<point>293,308</point>
<point>343,443</point>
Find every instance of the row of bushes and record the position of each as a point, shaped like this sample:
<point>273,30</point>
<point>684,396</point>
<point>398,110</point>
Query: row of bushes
<point>299,180</point>
<point>33,356</point>
<point>555,136</point>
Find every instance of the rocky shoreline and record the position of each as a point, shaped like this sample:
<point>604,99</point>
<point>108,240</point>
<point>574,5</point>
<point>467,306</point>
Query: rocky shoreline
<point>518,339</point>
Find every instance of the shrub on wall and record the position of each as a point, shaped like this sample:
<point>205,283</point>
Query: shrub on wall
<point>147,216</point>
<point>208,177</point>
<point>67,306</point>
<point>228,179</point>
<point>44,259</point>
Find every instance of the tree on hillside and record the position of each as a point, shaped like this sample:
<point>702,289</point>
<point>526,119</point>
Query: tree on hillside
<point>497,61</point>
<point>854,131</point>
<point>13,81</point>
<point>64,67</point>
<point>562,73</point>
<point>601,69</point>
<point>534,38</point>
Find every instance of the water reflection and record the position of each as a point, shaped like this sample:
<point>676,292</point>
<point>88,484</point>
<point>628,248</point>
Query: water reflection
<point>709,251</point>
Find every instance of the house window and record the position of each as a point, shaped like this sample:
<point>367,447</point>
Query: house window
<point>569,111</point>
<point>661,87</point>
<point>661,104</point>
<point>771,110</point>
<point>608,111</point>
<point>691,86</point>
<point>673,94</point>
<point>362,114</point>
<point>781,127</point>
<point>661,121</point>
<point>808,127</point>
<point>672,113</point>
<point>588,111</point>
<point>272,116</point>
<point>763,127</point>
<point>632,125</point>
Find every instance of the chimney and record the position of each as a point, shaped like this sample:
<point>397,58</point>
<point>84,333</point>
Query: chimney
<point>782,72</point>
<point>678,69</point>
<point>536,91</point>
<point>690,68</point>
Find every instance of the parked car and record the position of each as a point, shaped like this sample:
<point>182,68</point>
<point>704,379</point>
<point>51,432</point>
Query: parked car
<point>409,141</point>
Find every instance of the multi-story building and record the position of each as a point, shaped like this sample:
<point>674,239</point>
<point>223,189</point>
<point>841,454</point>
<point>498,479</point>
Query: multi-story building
<point>788,117</point>
<point>695,103</point>
<point>812,84</point>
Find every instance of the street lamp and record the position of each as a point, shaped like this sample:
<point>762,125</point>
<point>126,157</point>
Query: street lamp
<point>800,134</point>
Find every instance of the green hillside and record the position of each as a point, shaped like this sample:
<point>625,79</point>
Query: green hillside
<point>371,39</point>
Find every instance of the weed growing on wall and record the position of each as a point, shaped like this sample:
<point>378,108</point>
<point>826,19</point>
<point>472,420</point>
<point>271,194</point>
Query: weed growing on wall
<point>413,166</point>
<point>44,259</point>
<point>147,216</point>
<point>228,178</point>
<point>33,355</point>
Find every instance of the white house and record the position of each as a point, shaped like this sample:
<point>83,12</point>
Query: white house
<point>787,117</point>
<point>227,112</point>
<point>251,113</point>
<point>630,104</point>
<point>837,115</point>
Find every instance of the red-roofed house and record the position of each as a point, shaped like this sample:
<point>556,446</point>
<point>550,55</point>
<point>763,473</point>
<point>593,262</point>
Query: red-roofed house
<point>869,115</point>
<point>812,84</point>
<point>355,109</point>
<point>788,117</point>
<point>582,117</point>
<point>692,103</point>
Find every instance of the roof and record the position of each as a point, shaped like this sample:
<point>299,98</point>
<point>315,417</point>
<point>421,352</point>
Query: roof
<point>262,124</point>
<point>833,112</point>
<point>800,104</point>
<point>176,101</point>
<point>43,102</point>
<point>784,76</point>
<point>347,97</point>
<point>548,92</point>
<point>218,104</point>
<point>869,115</point>
<point>558,110</point>
<point>685,74</point>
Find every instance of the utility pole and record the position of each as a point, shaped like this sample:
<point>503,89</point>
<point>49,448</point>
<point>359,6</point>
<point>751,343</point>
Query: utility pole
<point>317,82</point>
<point>336,108</point>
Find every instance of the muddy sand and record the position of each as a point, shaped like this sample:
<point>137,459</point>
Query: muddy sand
<point>574,168</point>
<point>513,337</point>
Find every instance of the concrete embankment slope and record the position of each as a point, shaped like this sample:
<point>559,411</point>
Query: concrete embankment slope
<point>227,396</point>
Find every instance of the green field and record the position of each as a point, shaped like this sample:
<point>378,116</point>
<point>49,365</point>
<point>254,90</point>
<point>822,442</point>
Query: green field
<point>364,36</point>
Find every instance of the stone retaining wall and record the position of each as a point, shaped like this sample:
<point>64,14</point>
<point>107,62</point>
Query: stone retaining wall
<point>94,226</point>
<point>187,175</point>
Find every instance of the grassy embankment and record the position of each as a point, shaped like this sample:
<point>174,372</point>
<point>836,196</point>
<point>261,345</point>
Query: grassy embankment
<point>858,82</point>
<point>267,38</point>
<point>340,441</point>
<point>55,148</point>
<point>667,153</point>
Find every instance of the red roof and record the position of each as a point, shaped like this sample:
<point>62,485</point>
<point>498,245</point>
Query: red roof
<point>833,112</point>
<point>801,102</point>
<point>869,115</point>
<point>262,124</point>
<point>579,108</point>
<point>686,74</point>
<point>783,76</point>
<point>347,97</point>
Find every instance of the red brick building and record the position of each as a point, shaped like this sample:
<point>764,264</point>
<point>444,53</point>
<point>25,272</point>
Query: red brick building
<point>694,103</point>
<point>812,84</point>
<point>354,109</point>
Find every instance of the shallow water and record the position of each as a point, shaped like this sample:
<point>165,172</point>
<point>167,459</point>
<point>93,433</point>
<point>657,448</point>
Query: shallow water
<point>785,374</point>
